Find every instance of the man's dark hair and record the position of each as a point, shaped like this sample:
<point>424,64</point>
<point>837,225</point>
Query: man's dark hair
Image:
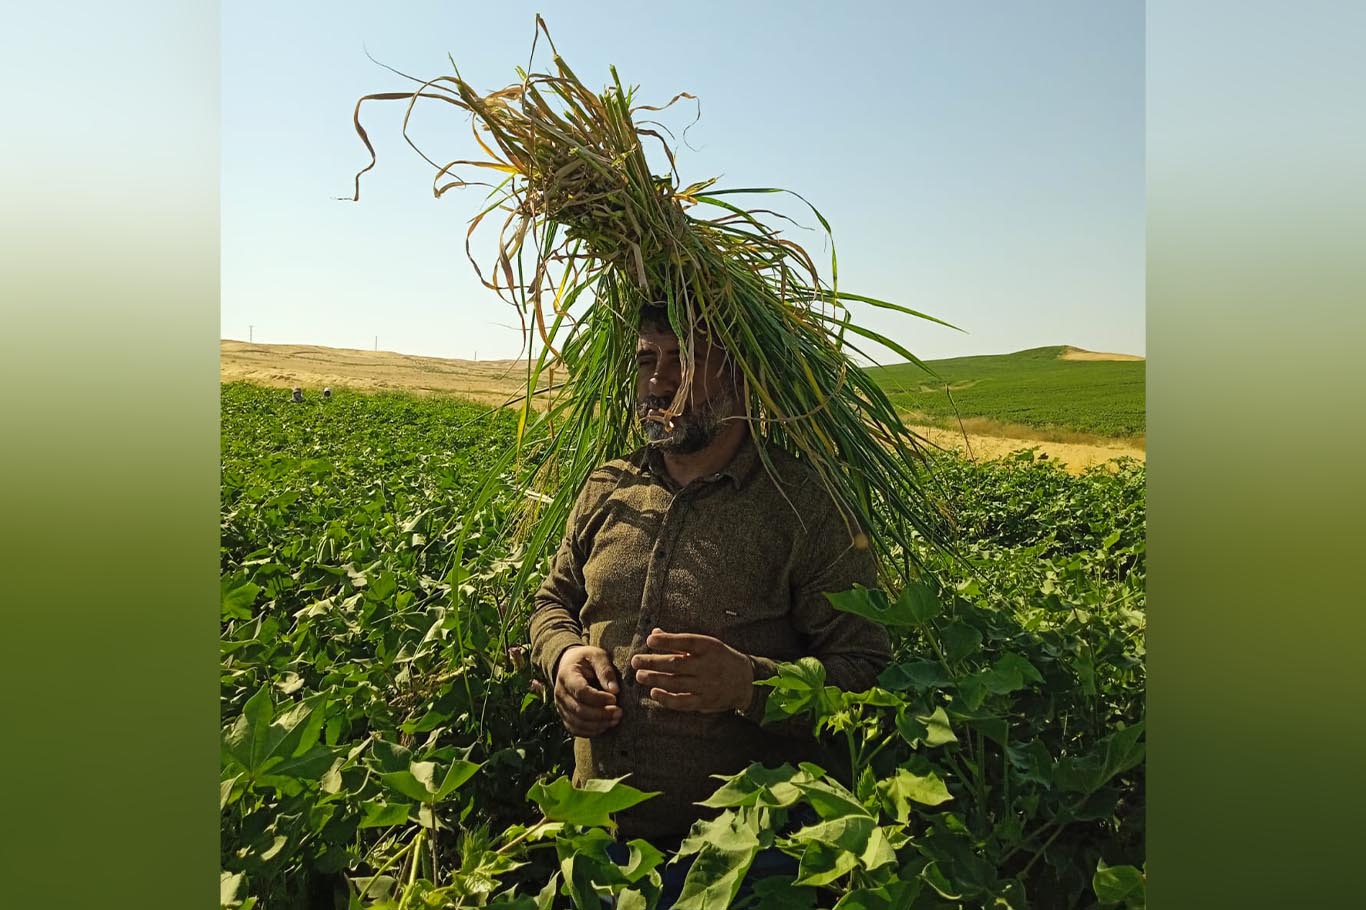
<point>655,316</point>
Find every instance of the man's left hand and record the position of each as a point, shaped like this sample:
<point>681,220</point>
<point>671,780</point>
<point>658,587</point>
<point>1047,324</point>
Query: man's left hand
<point>695,673</point>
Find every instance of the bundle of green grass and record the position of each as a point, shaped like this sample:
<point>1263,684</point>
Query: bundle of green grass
<point>586,227</point>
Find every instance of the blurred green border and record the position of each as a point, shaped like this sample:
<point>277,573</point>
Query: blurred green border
<point>109,381</point>
<point>1257,706</point>
<point>108,359</point>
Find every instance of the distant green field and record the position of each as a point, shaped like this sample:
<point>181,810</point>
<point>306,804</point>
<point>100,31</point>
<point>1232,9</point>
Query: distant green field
<point>1035,388</point>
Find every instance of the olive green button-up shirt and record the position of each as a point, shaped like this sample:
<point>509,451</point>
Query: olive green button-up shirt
<point>745,555</point>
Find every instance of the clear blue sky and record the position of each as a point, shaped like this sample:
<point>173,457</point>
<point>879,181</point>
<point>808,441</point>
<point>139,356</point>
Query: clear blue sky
<point>979,161</point>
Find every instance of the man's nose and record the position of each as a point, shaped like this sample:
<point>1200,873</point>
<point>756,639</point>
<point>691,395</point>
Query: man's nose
<point>664,380</point>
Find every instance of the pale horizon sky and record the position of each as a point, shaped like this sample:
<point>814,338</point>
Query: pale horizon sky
<point>982,162</point>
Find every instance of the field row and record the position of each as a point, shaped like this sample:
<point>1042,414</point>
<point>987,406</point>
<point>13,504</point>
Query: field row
<point>384,743</point>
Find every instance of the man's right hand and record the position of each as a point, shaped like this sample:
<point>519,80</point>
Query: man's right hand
<point>586,691</point>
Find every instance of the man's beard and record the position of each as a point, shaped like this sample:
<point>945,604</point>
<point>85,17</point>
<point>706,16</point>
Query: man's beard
<point>692,431</point>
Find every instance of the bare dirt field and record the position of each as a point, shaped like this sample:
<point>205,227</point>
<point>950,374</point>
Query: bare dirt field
<point>490,382</point>
<point>1071,353</point>
<point>494,382</point>
<point>1076,456</point>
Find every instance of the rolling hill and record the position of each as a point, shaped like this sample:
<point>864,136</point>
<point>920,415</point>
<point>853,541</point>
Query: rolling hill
<point>1051,388</point>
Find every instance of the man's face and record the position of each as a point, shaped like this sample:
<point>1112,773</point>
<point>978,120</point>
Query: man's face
<point>659,373</point>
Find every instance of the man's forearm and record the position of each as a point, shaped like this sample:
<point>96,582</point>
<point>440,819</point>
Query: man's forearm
<point>553,630</point>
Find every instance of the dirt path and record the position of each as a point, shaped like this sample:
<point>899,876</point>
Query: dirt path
<point>494,382</point>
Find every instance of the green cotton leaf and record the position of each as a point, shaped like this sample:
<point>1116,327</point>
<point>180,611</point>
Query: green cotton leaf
<point>1099,806</point>
<point>875,697</point>
<point>727,850</point>
<point>225,791</point>
<point>830,799</point>
<point>643,860</point>
<point>590,805</point>
<point>757,785</point>
<point>456,775</point>
<point>1113,755</point>
<point>878,852</point>
<point>259,740</point>
<point>1015,663</point>
<point>972,690</point>
<point>904,788</point>
<point>892,896</point>
<point>425,724</point>
<point>911,728</point>
<point>936,880</point>
<point>822,863</point>
<point>584,864</point>
<point>916,675</point>
<point>1010,673</point>
<point>799,687</point>
<point>1032,762</point>
<point>391,756</point>
<point>419,782</point>
<point>382,586</point>
<point>631,899</point>
<point>917,605</point>
<point>806,674</point>
<point>545,898</point>
<point>1053,603</point>
<point>229,886</point>
<point>938,729</point>
<point>870,603</point>
<point>993,728</point>
<point>409,784</point>
<point>288,774</point>
<point>714,878</point>
<point>304,724</point>
<point>960,640</point>
<point>377,888</point>
<point>848,832</point>
<point>1123,750</point>
<point>331,781</point>
<point>1120,884</point>
<point>375,814</point>
<point>778,892</point>
<point>733,830</point>
<point>238,600</point>
<point>250,735</point>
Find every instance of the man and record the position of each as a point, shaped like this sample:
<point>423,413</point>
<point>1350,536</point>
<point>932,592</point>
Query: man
<point>687,572</point>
